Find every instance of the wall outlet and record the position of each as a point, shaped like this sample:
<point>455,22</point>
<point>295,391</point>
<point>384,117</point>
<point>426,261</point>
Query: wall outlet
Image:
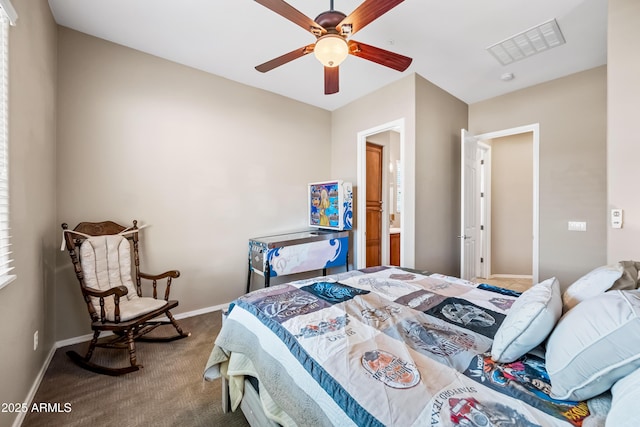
<point>35,340</point>
<point>616,218</point>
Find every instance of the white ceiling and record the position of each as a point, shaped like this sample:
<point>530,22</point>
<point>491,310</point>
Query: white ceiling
<point>447,40</point>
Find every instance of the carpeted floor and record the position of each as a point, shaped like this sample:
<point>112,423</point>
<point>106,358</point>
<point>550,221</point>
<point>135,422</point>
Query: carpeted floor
<point>168,391</point>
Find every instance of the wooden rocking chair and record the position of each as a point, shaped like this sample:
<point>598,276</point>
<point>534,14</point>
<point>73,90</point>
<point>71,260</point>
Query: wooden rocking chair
<point>101,256</point>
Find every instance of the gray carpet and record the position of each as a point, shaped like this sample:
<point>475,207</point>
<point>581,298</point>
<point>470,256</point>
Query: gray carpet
<point>168,391</point>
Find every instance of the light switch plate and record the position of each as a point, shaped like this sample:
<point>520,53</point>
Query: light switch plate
<point>577,226</point>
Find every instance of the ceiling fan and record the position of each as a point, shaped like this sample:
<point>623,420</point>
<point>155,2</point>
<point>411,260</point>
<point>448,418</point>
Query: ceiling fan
<point>333,30</point>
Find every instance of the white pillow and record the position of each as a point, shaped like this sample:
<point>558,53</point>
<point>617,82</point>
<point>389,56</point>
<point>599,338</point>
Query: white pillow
<point>625,411</point>
<point>529,321</point>
<point>591,284</point>
<point>594,345</point>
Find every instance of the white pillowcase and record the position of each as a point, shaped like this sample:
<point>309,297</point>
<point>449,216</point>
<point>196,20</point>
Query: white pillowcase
<point>594,345</point>
<point>529,321</point>
<point>625,411</point>
<point>591,284</point>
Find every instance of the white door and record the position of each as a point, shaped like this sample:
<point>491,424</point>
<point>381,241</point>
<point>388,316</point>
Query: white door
<point>470,196</point>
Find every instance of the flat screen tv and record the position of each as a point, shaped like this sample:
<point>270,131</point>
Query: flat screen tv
<point>331,205</point>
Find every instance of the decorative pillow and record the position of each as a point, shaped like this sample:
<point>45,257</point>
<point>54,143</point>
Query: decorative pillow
<point>530,320</point>
<point>594,345</point>
<point>625,411</point>
<point>629,278</point>
<point>591,284</point>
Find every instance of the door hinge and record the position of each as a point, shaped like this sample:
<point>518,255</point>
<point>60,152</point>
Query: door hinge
<point>481,227</point>
<point>481,259</point>
<point>482,162</point>
<point>482,194</point>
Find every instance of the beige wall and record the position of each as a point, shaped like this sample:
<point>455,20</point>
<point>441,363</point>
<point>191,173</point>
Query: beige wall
<point>572,115</point>
<point>26,304</point>
<point>439,120</point>
<point>512,204</point>
<point>433,119</point>
<point>623,149</point>
<point>207,162</point>
<point>388,104</point>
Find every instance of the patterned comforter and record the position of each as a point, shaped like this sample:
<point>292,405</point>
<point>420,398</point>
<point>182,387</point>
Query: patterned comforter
<point>387,346</point>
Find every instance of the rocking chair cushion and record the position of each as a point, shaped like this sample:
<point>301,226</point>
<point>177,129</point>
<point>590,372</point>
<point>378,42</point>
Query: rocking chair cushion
<point>106,264</point>
<point>134,308</point>
<point>105,257</point>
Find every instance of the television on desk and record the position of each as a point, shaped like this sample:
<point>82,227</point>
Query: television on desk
<point>331,205</point>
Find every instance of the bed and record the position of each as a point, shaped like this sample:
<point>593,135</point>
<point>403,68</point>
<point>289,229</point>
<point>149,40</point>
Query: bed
<point>396,347</point>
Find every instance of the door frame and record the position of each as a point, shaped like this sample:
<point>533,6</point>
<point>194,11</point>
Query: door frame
<point>407,214</point>
<point>535,130</point>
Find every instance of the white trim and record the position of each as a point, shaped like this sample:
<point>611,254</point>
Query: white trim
<point>535,129</point>
<point>5,212</point>
<point>83,338</point>
<point>222,307</point>
<point>17,422</point>
<point>407,215</point>
<point>7,279</point>
<point>79,339</point>
<point>9,10</point>
<point>87,337</point>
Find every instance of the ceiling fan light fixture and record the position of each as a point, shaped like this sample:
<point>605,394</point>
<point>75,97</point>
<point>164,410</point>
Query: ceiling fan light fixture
<point>331,50</point>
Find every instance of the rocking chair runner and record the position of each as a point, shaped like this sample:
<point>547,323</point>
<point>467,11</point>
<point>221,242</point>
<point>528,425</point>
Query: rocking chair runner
<point>103,268</point>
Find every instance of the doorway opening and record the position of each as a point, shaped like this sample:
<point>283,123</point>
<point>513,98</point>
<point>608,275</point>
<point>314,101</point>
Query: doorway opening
<point>500,205</point>
<point>404,169</point>
<point>377,180</point>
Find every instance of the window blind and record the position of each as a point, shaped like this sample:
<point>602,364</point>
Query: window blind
<point>9,11</point>
<point>5,237</point>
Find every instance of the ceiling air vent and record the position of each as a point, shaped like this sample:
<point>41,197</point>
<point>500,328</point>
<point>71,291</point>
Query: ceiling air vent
<point>527,43</point>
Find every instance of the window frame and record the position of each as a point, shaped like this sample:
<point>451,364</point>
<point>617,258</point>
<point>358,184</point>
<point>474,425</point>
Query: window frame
<point>8,17</point>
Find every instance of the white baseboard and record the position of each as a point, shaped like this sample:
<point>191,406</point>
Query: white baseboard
<point>87,337</point>
<point>78,340</point>
<point>34,387</point>
<point>197,312</point>
<point>222,307</point>
<point>83,338</point>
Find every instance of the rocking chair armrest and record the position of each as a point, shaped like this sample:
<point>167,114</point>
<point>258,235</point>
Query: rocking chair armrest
<point>168,275</point>
<point>174,274</point>
<point>118,290</point>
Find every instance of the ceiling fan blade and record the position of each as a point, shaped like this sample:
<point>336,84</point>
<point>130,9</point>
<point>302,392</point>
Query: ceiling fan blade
<point>292,14</point>
<point>287,57</point>
<point>331,80</point>
<point>379,56</point>
<point>368,11</point>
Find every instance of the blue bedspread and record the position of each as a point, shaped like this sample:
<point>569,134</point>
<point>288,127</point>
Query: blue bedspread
<point>394,347</point>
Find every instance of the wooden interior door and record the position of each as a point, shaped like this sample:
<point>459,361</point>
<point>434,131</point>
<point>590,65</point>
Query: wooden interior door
<point>374,205</point>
